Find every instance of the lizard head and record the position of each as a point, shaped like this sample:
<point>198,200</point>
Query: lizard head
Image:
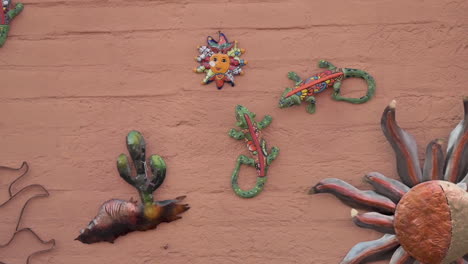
<point>6,3</point>
<point>241,113</point>
<point>290,100</point>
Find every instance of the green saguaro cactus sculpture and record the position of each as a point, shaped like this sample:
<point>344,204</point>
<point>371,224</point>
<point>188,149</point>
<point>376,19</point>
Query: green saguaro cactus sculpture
<point>6,16</point>
<point>118,217</point>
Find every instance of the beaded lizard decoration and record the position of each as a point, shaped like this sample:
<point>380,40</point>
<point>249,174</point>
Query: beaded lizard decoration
<point>305,90</point>
<point>257,147</point>
<point>220,61</point>
<point>424,215</point>
<point>19,230</point>
<point>6,16</point>
<point>119,217</point>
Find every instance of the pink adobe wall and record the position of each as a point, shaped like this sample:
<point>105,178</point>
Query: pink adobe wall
<point>77,75</point>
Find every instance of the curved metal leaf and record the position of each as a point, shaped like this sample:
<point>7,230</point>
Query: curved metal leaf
<point>456,164</point>
<point>404,145</point>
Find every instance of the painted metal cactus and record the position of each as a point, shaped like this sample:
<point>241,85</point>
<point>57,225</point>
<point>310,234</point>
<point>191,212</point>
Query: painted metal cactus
<point>305,90</point>
<point>256,144</point>
<point>220,61</point>
<point>118,217</point>
<point>424,216</point>
<point>6,16</point>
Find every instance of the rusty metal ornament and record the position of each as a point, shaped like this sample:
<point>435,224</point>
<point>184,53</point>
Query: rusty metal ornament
<point>119,217</point>
<point>424,216</point>
<point>12,195</point>
<point>220,61</point>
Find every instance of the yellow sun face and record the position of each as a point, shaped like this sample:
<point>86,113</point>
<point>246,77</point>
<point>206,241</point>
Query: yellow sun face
<point>219,63</point>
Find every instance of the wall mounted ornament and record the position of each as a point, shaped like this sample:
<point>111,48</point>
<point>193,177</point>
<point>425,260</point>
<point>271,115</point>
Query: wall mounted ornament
<point>119,217</point>
<point>424,216</point>
<point>11,196</point>
<point>305,90</point>
<point>7,15</point>
<point>220,61</point>
<point>261,158</point>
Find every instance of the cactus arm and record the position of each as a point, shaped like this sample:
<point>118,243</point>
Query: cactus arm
<point>158,169</point>
<point>124,169</point>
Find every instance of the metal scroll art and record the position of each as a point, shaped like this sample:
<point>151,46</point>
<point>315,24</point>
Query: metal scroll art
<point>261,158</point>
<point>305,90</point>
<point>12,195</point>
<point>119,217</point>
<point>220,61</point>
<point>7,15</point>
<point>423,217</point>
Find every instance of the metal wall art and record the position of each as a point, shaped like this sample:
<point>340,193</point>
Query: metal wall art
<point>119,217</point>
<point>261,158</point>
<point>12,195</point>
<point>424,216</point>
<point>220,61</point>
<point>7,15</point>
<point>305,90</point>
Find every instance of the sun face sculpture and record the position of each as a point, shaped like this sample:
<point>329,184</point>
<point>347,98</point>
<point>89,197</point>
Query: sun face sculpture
<point>220,61</point>
<point>423,217</point>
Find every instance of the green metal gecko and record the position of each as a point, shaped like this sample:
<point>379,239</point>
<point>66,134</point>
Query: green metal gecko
<point>6,16</point>
<point>261,159</point>
<point>305,90</point>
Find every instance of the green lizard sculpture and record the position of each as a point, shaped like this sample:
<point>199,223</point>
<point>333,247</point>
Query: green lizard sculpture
<point>305,90</point>
<point>261,159</point>
<point>6,16</point>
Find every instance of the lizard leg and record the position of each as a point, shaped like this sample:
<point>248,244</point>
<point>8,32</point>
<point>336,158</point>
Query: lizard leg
<point>242,159</point>
<point>336,90</point>
<point>311,106</point>
<point>273,154</point>
<point>16,11</point>
<point>326,64</point>
<point>236,134</point>
<point>3,34</point>
<point>265,122</point>
<point>336,87</point>
<point>293,76</point>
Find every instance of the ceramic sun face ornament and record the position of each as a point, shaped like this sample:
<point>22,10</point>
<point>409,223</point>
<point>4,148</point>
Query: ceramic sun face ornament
<point>6,16</point>
<point>220,61</point>
<point>306,90</point>
<point>423,217</point>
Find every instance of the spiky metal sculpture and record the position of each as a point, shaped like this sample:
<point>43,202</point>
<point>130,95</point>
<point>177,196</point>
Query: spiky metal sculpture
<point>220,61</point>
<point>118,217</point>
<point>6,16</point>
<point>424,217</point>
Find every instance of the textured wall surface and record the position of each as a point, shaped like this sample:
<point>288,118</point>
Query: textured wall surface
<point>77,75</point>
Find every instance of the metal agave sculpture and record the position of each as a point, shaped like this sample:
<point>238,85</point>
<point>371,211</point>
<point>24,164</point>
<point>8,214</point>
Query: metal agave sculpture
<point>119,217</point>
<point>424,216</point>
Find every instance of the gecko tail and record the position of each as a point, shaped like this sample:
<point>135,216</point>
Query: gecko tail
<point>359,74</point>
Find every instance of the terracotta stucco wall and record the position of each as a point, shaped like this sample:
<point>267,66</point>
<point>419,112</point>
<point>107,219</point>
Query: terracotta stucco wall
<point>77,75</point>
